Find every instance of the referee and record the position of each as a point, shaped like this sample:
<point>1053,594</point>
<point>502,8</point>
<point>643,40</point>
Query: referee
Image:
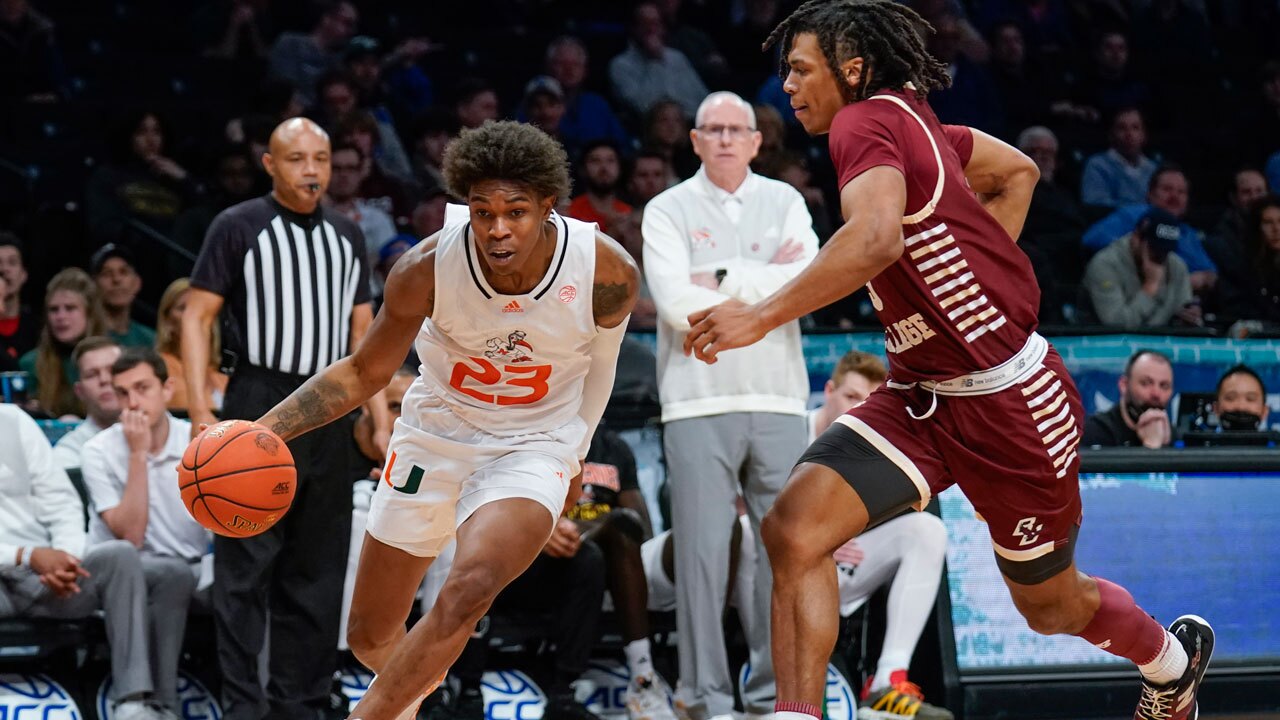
<point>290,279</point>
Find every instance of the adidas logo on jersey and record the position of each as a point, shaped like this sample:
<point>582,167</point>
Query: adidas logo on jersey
<point>512,306</point>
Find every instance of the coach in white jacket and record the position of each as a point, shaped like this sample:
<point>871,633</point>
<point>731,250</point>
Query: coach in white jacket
<point>735,427</point>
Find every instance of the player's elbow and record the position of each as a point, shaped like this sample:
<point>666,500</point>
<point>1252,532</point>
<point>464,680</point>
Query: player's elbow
<point>885,245</point>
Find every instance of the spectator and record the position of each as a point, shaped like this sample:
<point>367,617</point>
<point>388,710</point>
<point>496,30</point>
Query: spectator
<point>340,101</point>
<point>650,175</point>
<point>387,257</point>
<point>302,58</point>
<point>905,553</point>
<point>93,357</point>
<point>1139,418</point>
<point>1138,281</point>
<point>1025,90</point>
<point>601,177</point>
<point>73,311</point>
<point>732,427</point>
<point>115,271</point>
<point>694,44</point>
<point>1121,174</point>
<point>173,304</point>
<point>49,572</point>
<point>477,102</point>
<point>587,115</point>
<point>290,569</point>
<point>1110,86</point>
<point>432,133</point>
<point>972,98</point>
<point>1051,235</point>
<point>1168,191</point>
<point>666,132</point>
<point>274,100</point>
<point>1256,132</point>
<point>793,169</point>
<point>30,65</point>
<point>543,106</point>
<point>773,140</point>
<point>393,86</point>
<point>19,327</point>
<point>128,471</point>
<point>1252,291</point>
<point>1240,402</point>
<point>1226,244</point>
<point>140,182</point>
<point>428,214</point>
<point>234,181</point>
<point>649,71</point>
<point>389,193</point>
<point>348,173</point>
<point>233,29</point>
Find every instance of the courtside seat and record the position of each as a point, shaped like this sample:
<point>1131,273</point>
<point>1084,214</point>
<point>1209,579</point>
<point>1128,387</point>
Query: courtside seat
<point>27,642</point>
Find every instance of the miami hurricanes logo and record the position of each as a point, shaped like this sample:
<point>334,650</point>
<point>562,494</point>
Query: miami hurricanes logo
<point>511,350</point>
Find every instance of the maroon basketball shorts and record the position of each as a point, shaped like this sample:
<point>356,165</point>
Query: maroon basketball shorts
<point>1011,451</point>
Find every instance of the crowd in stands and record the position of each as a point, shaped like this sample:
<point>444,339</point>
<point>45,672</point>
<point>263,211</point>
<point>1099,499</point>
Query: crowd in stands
<point>131,124</point>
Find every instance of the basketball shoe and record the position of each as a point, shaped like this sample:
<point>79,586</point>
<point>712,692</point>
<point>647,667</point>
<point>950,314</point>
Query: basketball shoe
<point>901,700</point>
<point>1177,701</point>
<point>648,698</point>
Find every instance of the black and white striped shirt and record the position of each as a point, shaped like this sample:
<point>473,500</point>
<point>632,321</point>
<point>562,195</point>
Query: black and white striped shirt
<point>289,281</point>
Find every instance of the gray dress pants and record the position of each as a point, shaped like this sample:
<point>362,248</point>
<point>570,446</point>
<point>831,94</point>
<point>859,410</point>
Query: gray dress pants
<point>710,462</point>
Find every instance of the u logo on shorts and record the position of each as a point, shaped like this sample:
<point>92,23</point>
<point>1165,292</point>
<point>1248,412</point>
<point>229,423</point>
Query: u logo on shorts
<point>411,485</point>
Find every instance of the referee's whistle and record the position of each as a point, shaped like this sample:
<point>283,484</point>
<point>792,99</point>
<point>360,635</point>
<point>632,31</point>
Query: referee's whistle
<point>314,187</point>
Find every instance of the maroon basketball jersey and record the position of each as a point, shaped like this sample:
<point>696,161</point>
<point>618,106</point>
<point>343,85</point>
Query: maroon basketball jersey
<point>962,298</point>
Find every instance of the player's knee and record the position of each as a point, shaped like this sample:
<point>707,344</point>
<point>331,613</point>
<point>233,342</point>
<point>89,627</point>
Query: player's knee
<point>367,633</point>
<point>467,595</point>
<point>625,526</point>
<point>783,539</point>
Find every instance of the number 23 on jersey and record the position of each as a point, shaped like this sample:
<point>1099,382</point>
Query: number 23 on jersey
<point>510,385</point>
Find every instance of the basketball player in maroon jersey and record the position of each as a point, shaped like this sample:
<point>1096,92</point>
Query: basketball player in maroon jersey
<point>976,397</point>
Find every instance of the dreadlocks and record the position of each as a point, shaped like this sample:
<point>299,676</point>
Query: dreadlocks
<point>884,33</point>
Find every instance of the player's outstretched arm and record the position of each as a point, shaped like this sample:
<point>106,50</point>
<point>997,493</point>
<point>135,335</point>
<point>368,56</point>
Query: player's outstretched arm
<point>1004,179</point>
<point>344,385</point>
<point>617,285</point>
<point>869,241</point>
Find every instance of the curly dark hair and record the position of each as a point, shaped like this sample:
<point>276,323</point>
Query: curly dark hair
<point>506,150</point>
<point>887,35</point>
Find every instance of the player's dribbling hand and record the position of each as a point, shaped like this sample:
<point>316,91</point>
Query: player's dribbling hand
<point>731,324</point>
<point>565,539</point>
<point>1153,428</point>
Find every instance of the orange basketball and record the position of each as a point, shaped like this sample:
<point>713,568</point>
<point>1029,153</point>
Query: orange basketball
<point>237,478</point>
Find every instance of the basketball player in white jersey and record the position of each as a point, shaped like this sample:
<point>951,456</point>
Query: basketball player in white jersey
<point>518,314</point>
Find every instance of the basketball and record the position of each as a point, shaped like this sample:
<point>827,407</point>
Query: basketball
<point>237,478</point>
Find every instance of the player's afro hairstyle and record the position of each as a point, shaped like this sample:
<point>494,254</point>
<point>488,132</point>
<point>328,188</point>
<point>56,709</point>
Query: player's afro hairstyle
<point>510,151</point>
<point>887,35</point>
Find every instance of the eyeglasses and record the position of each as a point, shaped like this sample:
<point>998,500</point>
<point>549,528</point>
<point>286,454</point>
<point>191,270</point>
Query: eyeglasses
<point>736,132</point>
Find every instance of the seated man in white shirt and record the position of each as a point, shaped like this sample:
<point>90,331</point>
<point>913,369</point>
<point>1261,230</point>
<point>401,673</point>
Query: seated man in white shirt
<point>93,357</point>
<point>45,571</point>
<point>130,473</point>
<point>907,551</point>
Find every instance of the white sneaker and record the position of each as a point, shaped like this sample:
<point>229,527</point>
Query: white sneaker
<point>135,710</point>
<point>649,698</point>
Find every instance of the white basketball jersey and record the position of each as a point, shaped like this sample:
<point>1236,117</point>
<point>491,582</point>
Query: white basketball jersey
<point>507,364</point>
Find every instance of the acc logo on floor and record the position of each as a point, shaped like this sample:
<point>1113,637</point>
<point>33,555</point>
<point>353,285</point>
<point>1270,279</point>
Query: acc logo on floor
<point>195,702</point>
<point>35,697</point>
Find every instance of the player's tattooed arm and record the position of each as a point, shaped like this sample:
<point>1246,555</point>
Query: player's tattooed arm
<point>617,283</point>
<point>340,388</point>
